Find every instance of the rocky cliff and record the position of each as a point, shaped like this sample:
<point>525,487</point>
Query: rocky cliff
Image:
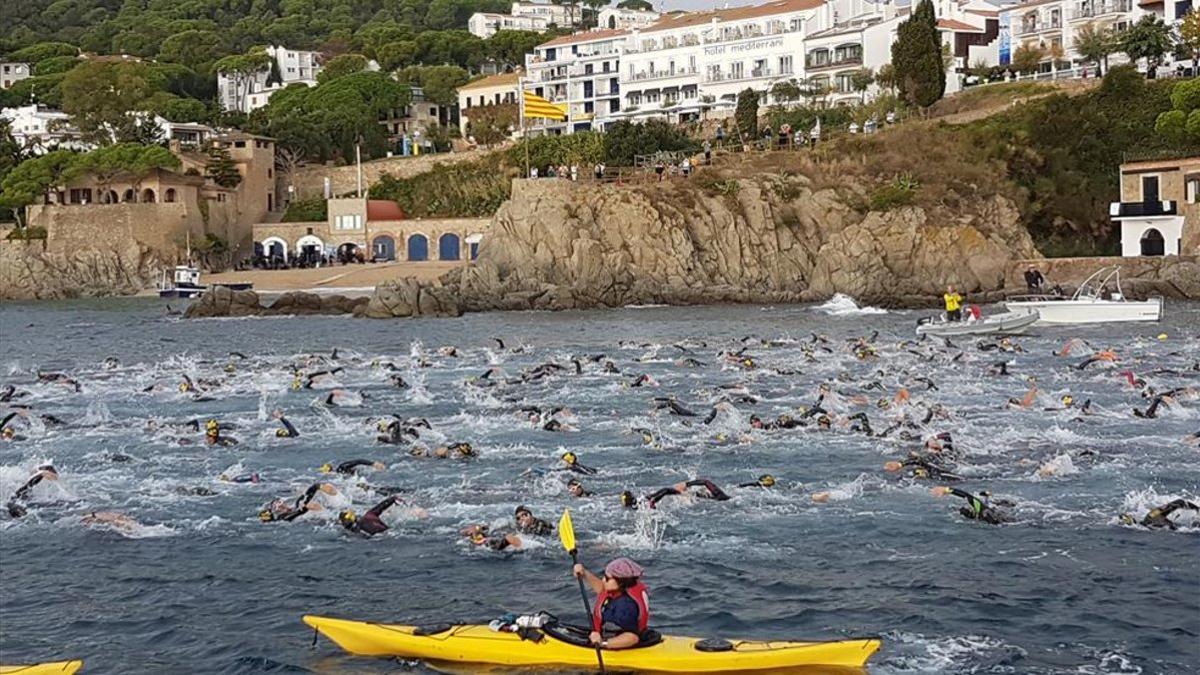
<point>29,273</point>
<point>769,237</point>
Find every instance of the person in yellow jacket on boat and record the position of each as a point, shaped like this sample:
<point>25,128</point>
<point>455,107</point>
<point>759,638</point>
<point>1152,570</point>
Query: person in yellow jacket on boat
<point>953,304</point>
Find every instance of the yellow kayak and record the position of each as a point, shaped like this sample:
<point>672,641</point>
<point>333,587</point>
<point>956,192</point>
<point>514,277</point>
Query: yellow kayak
<point>563,646</point>
<point>55,668</point>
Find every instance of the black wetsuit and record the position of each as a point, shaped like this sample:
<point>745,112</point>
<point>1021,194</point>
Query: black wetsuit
<point>1150,412</point>
<point>15,508</point>
<point>349,467</point>
<point>977,509</point>
<point>921,467</point>
<point>536,527</point>
<point>288,431</point>
<point>714,492</point>
<point>371,522</point>
<point>1159,517</point>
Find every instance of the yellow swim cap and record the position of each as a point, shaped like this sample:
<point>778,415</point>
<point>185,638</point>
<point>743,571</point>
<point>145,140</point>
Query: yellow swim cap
<point>766,480</point>
<point>266,516</point>
<point>1162,336</point>
<point>281,432</point>
<point>347,517</point>
<point>569,457</point>
<point>1067,400</point>
<point>326,468</point>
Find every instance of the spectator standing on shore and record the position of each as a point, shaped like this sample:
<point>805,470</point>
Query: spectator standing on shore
<point>854,127</point>
<point>686,167</point>
<point>563,171</point>
<point>891,117</point>
<point>707,152</point>
<point>659,168</point>
<point>598,171</point>
<point>574,172</point>
<point>815,136</point>
<point>800,140</point>
<point>720,135</point>
<point>768,137</point>
<point>1034,279</point>
<point>533,172</point>
<point>785,135</point>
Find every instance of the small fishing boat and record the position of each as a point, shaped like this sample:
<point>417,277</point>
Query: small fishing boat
<point>186,281</point>
<point>1094,302</point>
<point>1009,322</point>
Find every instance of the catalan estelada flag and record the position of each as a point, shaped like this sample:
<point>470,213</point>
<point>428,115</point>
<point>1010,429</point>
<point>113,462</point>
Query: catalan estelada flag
<point>536,106</point>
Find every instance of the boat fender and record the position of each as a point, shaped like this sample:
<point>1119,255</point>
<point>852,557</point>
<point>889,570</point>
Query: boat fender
<point>924,320</point>
<point>432,629</point>
<point>714,645</point>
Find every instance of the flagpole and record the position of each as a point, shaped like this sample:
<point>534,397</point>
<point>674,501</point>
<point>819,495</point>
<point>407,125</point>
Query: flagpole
<point>524,136</point>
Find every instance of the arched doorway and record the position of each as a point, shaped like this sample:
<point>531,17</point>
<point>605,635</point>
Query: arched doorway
<point>473,242</point>
<point>109,197</point>
<point>148,196</point>
<point>130,196</point>
<point>448,247</point>
<point>418,247</point>
<point>612,22</point>
<point>169,196</point>
<point>275,249</point>
<point>347,252</point>
<point>309,249</point>
<point>383,248</point>
<point>1153,243</point>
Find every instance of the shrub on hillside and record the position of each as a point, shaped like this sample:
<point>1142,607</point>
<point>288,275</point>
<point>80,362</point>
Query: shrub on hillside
<point>305,211</point>
<point>625,140</point>
<point>463,190</point>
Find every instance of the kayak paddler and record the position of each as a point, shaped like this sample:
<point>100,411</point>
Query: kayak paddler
<point>621,613</point>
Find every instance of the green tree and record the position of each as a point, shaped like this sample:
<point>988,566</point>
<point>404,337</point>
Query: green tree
<point>1095,43</point>
<point>55,65</point>
<point>643,5</point>
<point>917,58</point>
<point>491,124</point>
<point>221,169</point>
<point>396,55</point>
<point>103,98</point>
<point>861,80</point>
<point>439,83</point>
<point>340,66</point>
<point>242,68</point>
<point>785,91</point>
<point>42,51</point>
<point>134,160</point>
<point>624,140</point>
<point>885,77</point>
<point>196,49</point>
<point>1189,37</point>
<point>509,47</point>
<point>1172,126</point>
<point>746,114</point>
<point>177,108</point>
<point>30,180</point>
<point>1148,39</point>
<point>1027,58</point>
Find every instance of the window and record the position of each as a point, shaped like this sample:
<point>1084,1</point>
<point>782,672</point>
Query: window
<point>348,222</point>
<point>785,65</point>
<point>735,70</point>
<point>1150,188</point>
<point>1193,190</point>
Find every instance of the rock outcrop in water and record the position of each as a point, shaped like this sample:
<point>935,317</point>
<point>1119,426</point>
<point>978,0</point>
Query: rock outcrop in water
<point>29,273</point>
<point>221,301</point>
<point>408,297</point>
<point>766,238</point>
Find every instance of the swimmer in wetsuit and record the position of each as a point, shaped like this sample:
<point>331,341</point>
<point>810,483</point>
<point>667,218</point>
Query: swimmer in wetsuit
<point>349,468</point>
<point>213,436</point>
<point>571,463</point>
<point>479,536</point>
<point>527,524</point>
<point>288,431</point>
<point>282,510</point>
<point>7,431</point>
<point>712,491</point>
<point>976,508</point>
<point>1159,517</point>
<point>1152,411</point>
<point>764,481</point>
<point>576,489</point>
<point>454,450</point>
<point>370,523</point>
<point>920,467</point>
<point>16,507</point>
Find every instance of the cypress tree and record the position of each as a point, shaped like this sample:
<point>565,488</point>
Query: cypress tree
<point>746,114</point>
<point>917,58</point>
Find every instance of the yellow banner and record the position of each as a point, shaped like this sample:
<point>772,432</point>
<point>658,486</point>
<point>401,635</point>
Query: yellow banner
<point>538,107</point>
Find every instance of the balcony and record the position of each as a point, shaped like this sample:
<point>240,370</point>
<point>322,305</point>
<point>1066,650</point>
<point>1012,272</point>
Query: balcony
<point>1031,27</point>
<point>847,60</point>
<point>731,77</point>
<point>663,74</point>
<point>1093,10</point>
<point>1142,209</point>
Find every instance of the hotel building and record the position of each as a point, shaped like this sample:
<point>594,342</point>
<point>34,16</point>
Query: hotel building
<point>294,66</point>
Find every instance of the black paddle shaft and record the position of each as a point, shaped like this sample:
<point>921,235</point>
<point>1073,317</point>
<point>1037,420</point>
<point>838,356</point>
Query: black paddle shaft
<point>587,607</point>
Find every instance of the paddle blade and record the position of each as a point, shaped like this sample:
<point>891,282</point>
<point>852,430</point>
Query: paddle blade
<point>566,531</point>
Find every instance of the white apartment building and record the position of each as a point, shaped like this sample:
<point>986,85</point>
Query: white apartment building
<point>1053,24</point>
<point>295,66</point>
<point>580,70</point>
<point>12,73</point>
<point>485,24</point>
<point>627,19</point>
<point>38,129</point>
<point>562,16</point>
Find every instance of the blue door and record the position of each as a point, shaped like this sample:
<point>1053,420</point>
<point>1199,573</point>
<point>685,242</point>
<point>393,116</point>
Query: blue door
<point>448,248</point>
<point>418,247</point>
<point>385,248</point>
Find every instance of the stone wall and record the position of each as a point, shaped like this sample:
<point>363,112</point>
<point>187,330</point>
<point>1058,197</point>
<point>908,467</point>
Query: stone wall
<point>398,230</point>
<point>161,227</point>
<point>309,180</point>
<point>1171,276</point>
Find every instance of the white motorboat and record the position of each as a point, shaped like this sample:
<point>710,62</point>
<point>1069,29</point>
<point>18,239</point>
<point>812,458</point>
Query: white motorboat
<point>1094,302</point>
<point>1010,322</point>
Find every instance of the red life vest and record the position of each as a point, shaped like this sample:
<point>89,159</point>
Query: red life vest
<point>640,595</point>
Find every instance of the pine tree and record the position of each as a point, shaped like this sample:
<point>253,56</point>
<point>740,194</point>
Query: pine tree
<point>746,114</point>
<point>221,168</point>
<point>917,58</point>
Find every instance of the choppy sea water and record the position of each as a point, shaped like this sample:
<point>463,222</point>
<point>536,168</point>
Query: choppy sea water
<point>204,586</point>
